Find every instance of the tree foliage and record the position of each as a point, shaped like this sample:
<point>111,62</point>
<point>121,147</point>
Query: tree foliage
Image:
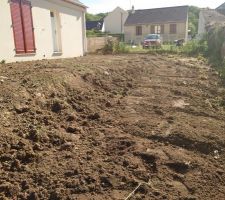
<point>93,17</point>
<point>193,20</point>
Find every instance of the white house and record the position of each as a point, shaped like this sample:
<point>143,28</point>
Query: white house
<point>207,19</point>
<point>41,29</point>
<point>115,20</point>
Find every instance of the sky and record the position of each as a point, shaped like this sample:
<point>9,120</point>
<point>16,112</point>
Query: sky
<point>98,6</point>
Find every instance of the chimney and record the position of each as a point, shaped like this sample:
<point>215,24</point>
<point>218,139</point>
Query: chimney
<point>133,11</point>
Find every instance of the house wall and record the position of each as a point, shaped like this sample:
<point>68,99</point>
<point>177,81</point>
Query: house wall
<point>114,21</point>
<point>72,27</point>
<point>201,24</point>
<point>97,43</point>
<point>182,32</point>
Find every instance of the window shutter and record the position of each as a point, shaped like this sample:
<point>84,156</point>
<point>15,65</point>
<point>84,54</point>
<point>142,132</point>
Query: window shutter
<point>152,29</point>
<point>173,28</point>
<point>17,26</point>
<point>138,30</point>
<point>162,29</point>
<point>28,26</point>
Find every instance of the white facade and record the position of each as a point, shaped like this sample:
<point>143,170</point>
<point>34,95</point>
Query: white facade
<point>70,24</point>
<point>201,24</point>
<point>114,21</point>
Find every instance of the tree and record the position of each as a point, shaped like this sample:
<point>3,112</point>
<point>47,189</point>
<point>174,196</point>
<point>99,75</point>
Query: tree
<point>93,17</point>
<point>193,20</point>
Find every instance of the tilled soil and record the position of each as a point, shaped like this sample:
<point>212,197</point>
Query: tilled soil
<point>99,127</point>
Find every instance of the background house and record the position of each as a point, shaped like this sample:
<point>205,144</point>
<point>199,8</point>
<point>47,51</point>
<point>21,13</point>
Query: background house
<point>221,9</point>
<point>208,18</point>
<point>114,21</point>
<point>40,29</point>
<point>171,23</point>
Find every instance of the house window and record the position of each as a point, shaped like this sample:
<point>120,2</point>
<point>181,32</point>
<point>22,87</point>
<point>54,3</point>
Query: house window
<point>157,29</point>
<point>22,24</point>
<point>173,28</point>
<point>138,30</point>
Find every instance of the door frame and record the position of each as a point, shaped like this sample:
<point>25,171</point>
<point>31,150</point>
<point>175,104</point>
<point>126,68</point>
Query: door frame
<point>56,32</point>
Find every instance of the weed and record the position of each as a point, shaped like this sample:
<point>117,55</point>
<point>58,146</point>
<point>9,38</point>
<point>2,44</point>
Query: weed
<point>115,47</point>
<point>2,62</point>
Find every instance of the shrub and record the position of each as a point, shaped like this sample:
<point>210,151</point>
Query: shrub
<point>195,48</point>
<point>2,62</point>
<point>114,47</point>
<point>108,48</point>
<point>120,47</point>
<point>216,40</point>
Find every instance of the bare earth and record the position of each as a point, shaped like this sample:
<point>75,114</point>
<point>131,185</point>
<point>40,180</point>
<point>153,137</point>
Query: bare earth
<point>99,126</point>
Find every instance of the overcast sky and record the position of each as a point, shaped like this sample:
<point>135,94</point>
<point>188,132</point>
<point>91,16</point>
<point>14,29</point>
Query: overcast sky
<point>97,6</point>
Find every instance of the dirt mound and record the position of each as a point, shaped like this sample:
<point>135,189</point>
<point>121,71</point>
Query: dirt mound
<point>99,126</point>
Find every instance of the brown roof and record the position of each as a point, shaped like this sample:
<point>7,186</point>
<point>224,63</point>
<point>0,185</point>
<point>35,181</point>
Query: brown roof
<point>158,15</point>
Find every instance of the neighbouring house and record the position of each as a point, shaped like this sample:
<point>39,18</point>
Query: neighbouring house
<point>221,9</point>
<point>114,21</point>
<point>94,25</point>
<point>209,18</point>
<point>41,29</point>
<point>171,23</point>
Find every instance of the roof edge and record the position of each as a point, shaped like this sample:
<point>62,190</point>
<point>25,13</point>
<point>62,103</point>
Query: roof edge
<point>75,3</point>
<point>163,8</point>
<point>158,23</point>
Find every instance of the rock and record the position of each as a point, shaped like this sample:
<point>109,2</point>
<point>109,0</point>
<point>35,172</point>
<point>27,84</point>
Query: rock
<point>33,135</point>
<point>220,171</point>
<point>129,85</point>
<point>216,154</point>
<point>106,73</point>
<point>9,189</point>
<point>179,167</point>
<point>89,157</point>
<point>25,185</point>
<point>67,146</point>
<point>71,173</point>
<point>37,147</point>
<point>105,182</point>
<point>190,197</point>
<point>56,107</point>
<point>33,196</point>
<point>204,77</point>
<point>149,159</point>
<point>3,77</point>
<point>56,195</point>
<point>6,157</point>
<point>95,116</point>
<point>71,129</point>
<point>71,118</point>
<point>26,157</point>
<point>21,109</point>
<point>15,166</point>
<point>108,104</point>
<point>159,112</point>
